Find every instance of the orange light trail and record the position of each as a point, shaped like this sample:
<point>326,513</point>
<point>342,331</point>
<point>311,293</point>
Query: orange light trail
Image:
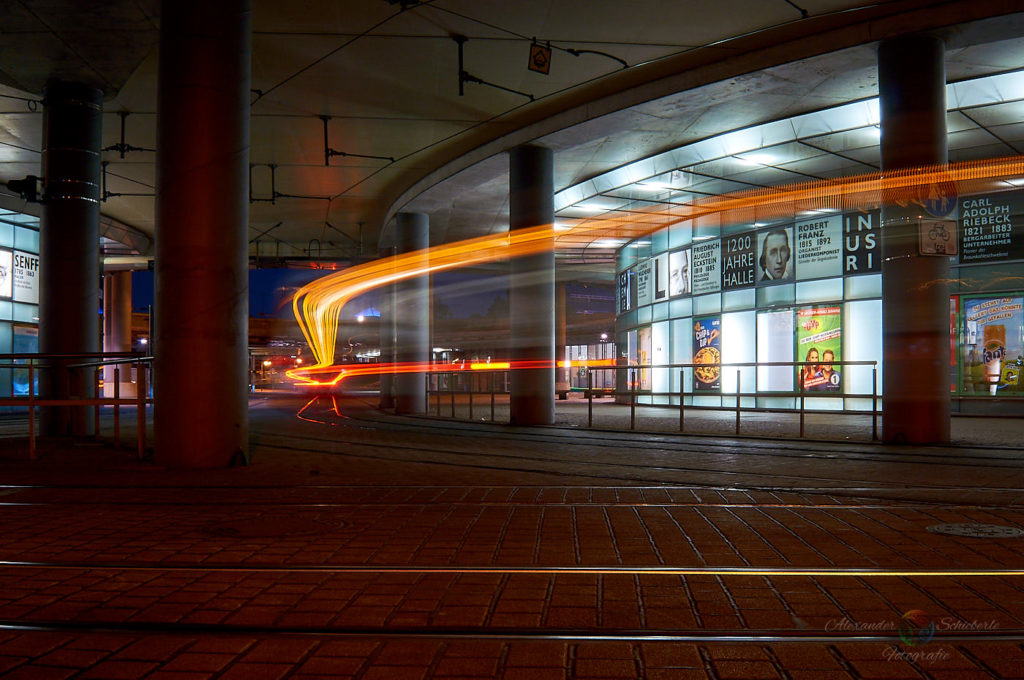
<point>333,375</point>
<point>317,305</point>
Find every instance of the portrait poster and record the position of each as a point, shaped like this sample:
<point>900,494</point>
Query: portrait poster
<point>775,255</point>
<point>707,353</point>
<point>819,248</point>
<point>6,274</point>
<point>819,336</point>
<point>679,273</point>
<point>705,267</point>
<point>644,357</point>
<point>738,264</point>
<point>993,329</point>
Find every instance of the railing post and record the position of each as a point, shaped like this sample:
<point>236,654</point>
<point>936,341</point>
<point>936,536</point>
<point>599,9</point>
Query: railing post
<point>472,381</point>
<point>801,401</point>
<point>31,409</point>
<point>117,405</point>
<point>590,398</point>
<point>682,375</point>
<point>874,403</point>
<point>140,400</point>
<point>738,392</point>
<point>493,376</point>
<point>632,402</point>
<point>451,392</point>
<point>96,409</point>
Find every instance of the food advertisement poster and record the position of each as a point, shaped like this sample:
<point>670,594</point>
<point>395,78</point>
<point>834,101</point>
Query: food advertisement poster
<point>987,231</point>
<point>819,339</point>
<point>707,345</point>
<point>706,267</point>
<point>993,329</point>
<point>819,248</point>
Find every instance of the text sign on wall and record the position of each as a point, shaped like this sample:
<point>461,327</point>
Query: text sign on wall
<point>25,281</point>
<point>819,248</point>
<point>645,282</point>
<point>987,227</point>
<point>862,242</point>
<point>738,261</point>
<point>705,267</point>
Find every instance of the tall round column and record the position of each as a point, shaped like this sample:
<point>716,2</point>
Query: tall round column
<point>202,286</point>
<point>532,289</point>
<point>561,372</point>
<point>117,327</point>
<point>69,245</point>
<point>915,289</point>
<point>387,337</point>
<point>412,314</point>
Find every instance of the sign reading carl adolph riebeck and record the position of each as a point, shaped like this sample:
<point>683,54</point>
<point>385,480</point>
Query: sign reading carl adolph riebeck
<point>819,248</point>
<point>987,227</point>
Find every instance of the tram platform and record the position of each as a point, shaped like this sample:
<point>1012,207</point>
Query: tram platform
<point>361,545</point>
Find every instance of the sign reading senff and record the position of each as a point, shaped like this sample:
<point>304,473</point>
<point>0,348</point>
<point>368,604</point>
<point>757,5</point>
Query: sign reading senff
<point>25,278</point>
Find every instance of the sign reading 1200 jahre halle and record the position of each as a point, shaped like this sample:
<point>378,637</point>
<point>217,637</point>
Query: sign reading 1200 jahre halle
<point>987,227</point>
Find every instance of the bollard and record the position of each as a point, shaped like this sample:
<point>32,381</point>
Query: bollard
<point>590,399</point>
<point>682,375</point>
<point>632,402</point>
<point>141,408</point>
<point>117,406</point>
<point>874,404</point>
<point>738,391</point>
<point>801,403</point>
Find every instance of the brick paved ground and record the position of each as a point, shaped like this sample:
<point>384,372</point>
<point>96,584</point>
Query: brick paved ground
<point>380,548</point>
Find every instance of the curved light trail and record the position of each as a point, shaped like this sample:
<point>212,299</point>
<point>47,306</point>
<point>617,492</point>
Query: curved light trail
<point>317,305</point>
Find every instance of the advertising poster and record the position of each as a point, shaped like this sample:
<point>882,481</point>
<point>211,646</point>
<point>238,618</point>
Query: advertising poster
<point>661,277</point>
<point>775,262</point>
<point>987,227</point>
<point>679,273</point>
<point>775,344</point>
<point>993,330</point>
<point>645,283</point>
<point>819,248</point>
<point>819,340</point>
<point>644,358</point>
<point>6,275</point>
<point>738,261</point>
<point>705,267</point>
<point>25,277</point>
<point>624,297</point>
<point>707,353</point>
<point>862,242</point>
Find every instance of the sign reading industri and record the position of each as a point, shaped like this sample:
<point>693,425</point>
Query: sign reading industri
<point>862,242</point>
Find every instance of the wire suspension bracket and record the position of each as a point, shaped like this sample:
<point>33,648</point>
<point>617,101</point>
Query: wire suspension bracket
<point>329,152</point>
<point>466,77</point>
<point>123,147</point>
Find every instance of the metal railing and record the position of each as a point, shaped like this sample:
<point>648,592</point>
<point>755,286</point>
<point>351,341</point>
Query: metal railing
<point>448,385</point>
<point>69,374</point>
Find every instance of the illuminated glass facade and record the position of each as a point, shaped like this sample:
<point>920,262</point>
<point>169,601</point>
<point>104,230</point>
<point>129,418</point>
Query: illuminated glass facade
<point>19,294</point>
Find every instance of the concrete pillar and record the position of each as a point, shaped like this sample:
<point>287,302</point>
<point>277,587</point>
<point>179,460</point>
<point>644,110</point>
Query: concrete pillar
<point>117,329</point>
<point>412,314</point>
<point>915,289</point>
<point>387,337</point>
<point>561,373</point>
<point>201,285</point>
<point>69,246</point>
<point>532,289</point>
